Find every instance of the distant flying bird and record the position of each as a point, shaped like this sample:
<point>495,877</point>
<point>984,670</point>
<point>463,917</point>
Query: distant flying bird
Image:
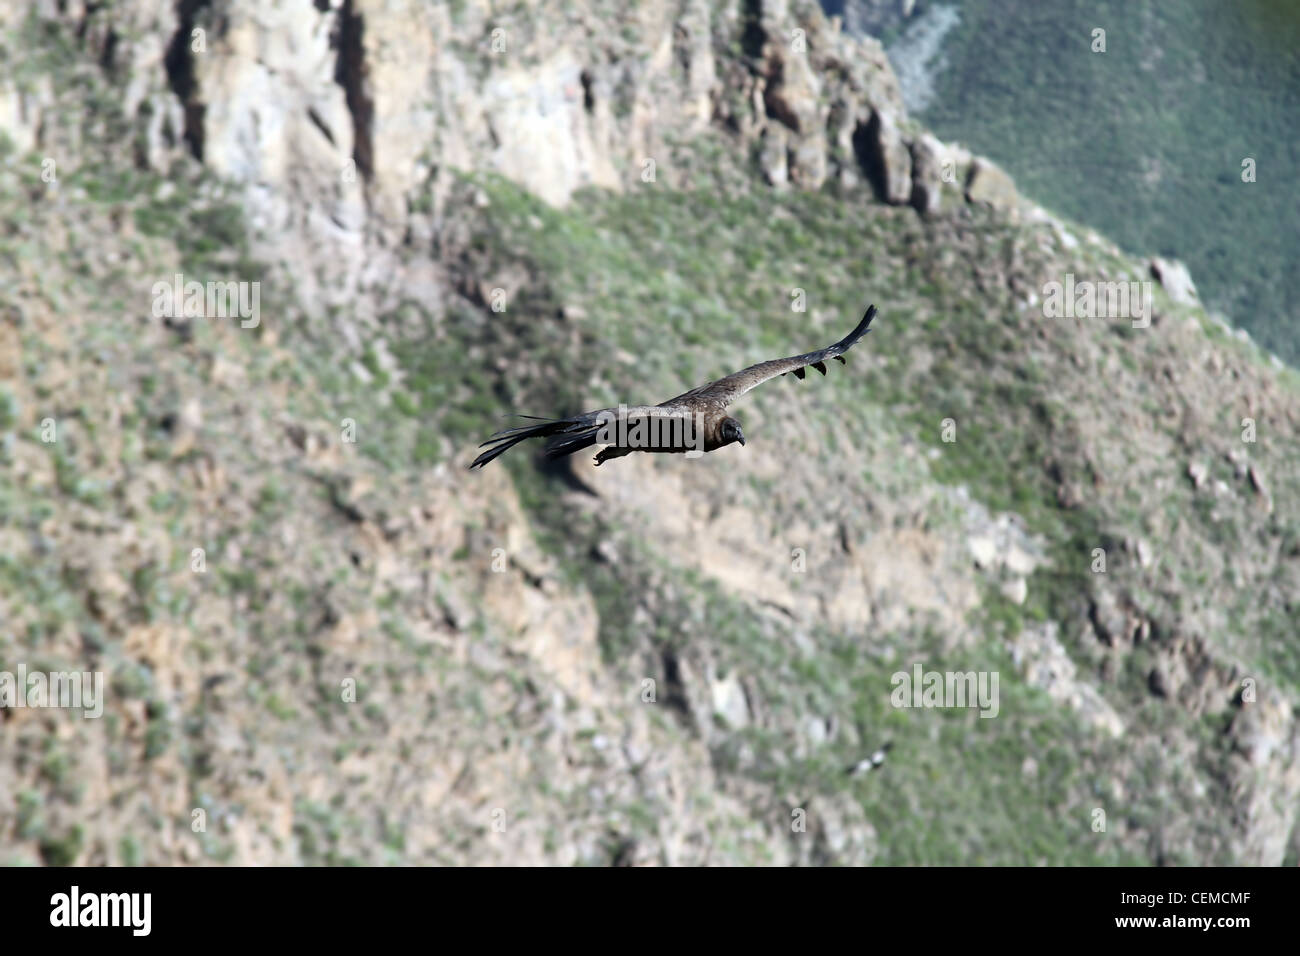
<point>693,422</point>
<point>867,764</point>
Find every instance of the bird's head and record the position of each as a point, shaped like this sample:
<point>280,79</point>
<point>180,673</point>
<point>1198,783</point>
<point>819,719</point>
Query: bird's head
<point>731,432</point>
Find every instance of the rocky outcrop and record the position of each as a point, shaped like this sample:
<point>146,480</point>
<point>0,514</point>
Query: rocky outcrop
<point>1176,280</point>
<point>340,119</point>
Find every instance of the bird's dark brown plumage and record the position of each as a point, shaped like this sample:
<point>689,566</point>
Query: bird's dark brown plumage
<point>694,421</point>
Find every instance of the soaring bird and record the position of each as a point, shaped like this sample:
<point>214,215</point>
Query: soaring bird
<point>692,423</point>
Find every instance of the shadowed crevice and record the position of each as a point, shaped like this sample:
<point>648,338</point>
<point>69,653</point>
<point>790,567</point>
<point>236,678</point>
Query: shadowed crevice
<point>350,72</point>
<point>179,63</point>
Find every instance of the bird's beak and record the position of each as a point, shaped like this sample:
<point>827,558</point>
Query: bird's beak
<point>741,439</point>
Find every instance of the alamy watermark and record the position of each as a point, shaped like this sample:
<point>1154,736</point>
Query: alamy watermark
<point>1085,299</point>
<point>130,910</point>
<point>179,299</point>
<point>653,427</point>
<point>924,688</point>
<point>77,690</point>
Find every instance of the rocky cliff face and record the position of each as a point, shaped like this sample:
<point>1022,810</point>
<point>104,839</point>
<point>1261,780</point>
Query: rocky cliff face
<point>326,641</point>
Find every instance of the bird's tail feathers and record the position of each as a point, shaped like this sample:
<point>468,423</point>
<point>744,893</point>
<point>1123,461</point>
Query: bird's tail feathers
<point>560,430</point>
<point>567,444</point>
<point>531,429</point>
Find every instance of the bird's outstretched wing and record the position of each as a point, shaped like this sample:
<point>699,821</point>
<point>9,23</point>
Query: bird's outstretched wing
<point>724,391</point>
